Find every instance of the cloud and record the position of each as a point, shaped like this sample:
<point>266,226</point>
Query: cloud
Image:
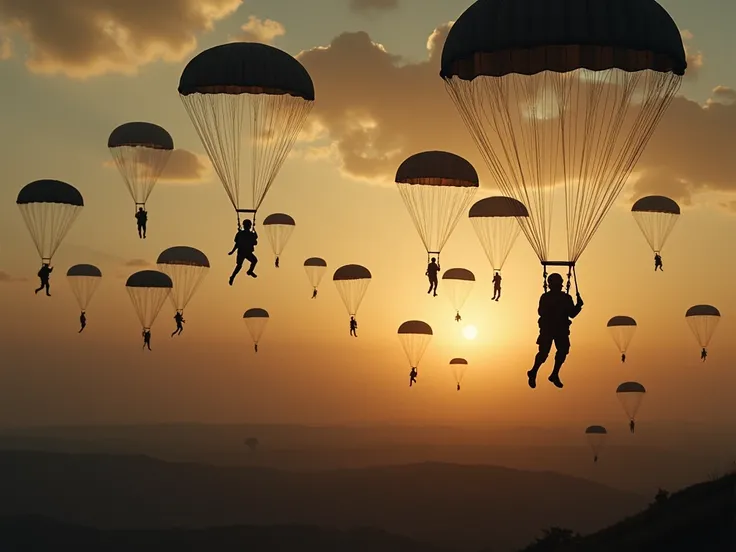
<point>693,56</point>
<point>261,30</point>
<point>137,263</point>
<point>722,95</point>
<point>183,167</point>
<point>83,38</point>
<point>6,48</point>
<point>6,278</point>
<point>362,6</point>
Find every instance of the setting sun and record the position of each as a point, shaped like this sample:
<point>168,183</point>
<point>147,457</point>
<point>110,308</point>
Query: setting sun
<point>470,332</point>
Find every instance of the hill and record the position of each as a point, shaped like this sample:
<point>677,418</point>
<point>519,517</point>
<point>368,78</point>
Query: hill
<point>465,507</point>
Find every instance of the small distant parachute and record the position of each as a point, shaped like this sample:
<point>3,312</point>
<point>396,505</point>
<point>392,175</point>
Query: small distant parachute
<point>256,320</point>
<point>278,227</point>
<point>596,436</point>
<point>187,268</point>
<point>630,394</point>
<point>703,320</point>
<point>459,366</point>
<point>436,187</point>
<point>459,283</point>
<point>622,330</point>
<point>414,336</point>
<point>148,290</point>
<point>49,208</point>
<point>352,282</point>
<point>315,268</point>
<point>656,217</point>
<point>252,443</point>
<point>495,223</point>
<point>84,280</point>
<point>140,151</point>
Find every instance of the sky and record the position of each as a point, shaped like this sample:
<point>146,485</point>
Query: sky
<point>75,70</point>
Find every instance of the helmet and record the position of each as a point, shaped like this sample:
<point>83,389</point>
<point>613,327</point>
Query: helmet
<point>554,279</point>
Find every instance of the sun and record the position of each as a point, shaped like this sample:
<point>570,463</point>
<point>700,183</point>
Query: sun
<point>470,332</point>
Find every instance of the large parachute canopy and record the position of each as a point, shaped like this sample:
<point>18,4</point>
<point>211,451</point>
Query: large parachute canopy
<point>414,336</point>
<point>656,217</point>
<point>458,366</point>
<point>495,221</point>
<point>459,283</point>
<point>148,290</point>
<point>252,85</point>
<point>279,227</point>
<point>256,321</point>
<point>315,268</point>
<point>84,280</point>
<point>49,208</point>
<point>436,187</point>
<point>703,320</point>
<point>596,436</point>
<point>562,92</point>
<point>630,394</point>
<point>622,330</point>
<point>352,282</point>
<point>141,152</point>
<point>187,268</point>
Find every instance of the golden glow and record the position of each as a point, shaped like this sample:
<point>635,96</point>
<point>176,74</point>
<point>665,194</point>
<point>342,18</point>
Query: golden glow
<point>470,332</point>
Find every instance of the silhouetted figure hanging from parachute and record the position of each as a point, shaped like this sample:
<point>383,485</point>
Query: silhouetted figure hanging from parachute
<point>245,243</point>
<point>141,216</point>
<point>44,273</point>
<point>146,339</point>
<point>703,321</point>
<point>82,322</point>
<point>187,268</point>
<point>256,321</point>
<point>179,319</point>
<point>596,436</point>
<point>315,268</point>
<point>459,366</point>
<point>352,282</point>
<point>148,290</point>
<point>631,394</point>
<point>414,336</point>
<point>278,227</point>
<point>622,329</point>
<point>656,217</point>
<point>459,283</point>
<point>353,327</point>
<point>497,286</point>
<point>431,273</point>
<point>84,280</point>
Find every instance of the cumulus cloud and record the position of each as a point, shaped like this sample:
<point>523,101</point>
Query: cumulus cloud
<point>261,30</point>
<point>363,6</point>
<point>722,95</point>
<point>137,263</point>
<point>6,278</point>
<point>6,48</point>
<point>694,56</point>
<point>83,38</point>
<point>183,167</point>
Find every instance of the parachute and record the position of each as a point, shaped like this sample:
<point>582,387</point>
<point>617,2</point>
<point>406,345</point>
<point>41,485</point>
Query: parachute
<point>239,83</point>
<point>315,269</point>
<point>596,436</point>
<point>256,320</point>
<point>631,394</point>
<point>495,221</point>
<point>279,228</point>
<point>656,217</point>
<point>49,208</point>
<point>436,187</point>
<point>414,336</point>
<point>562,93</point>
<point>458,365</point>
<point>187,268</point>
<point>352,283</point>
<point>622,330</point>
<point>459,282</point>
<point>148,290</point>
<point>84,280</point>
<point>141,152</point>
<point>703,320</point>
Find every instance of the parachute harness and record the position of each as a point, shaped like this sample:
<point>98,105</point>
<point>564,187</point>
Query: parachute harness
<point>571,274</point>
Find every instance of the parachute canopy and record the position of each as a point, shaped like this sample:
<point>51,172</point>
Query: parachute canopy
<point>187,268</point>
<point>622,330</point>
<point>656,217</point>
<point>495,224</point>
<point>414,336</point>
<point>49,208</point>
<point>459,283</point>
<point>436,187</point>
<point>596,436</point>
<point>84,280</point>
<point>459,366</point>
<point>562,92</point>
<point>256,320</point>
<point>148,289</point>
<point>703,320</point>
<point>315,268</point>
<point>140,151</point>
<point>278,227</point>
<point>596,430</point>
<point>352,282</point>
<point>246,84</point>
<point>630,394</point>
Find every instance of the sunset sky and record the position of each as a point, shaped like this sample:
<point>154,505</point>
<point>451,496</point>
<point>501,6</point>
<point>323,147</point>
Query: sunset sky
<point>379,99</point>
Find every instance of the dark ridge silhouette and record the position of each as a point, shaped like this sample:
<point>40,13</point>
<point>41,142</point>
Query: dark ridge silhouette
<point>463,507</point>
<point>39,534</point>
<point>699,518</point>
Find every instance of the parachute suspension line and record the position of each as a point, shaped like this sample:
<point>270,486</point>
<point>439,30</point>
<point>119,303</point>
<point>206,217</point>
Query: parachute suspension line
<point>48,224</point>
<point>140,167</point>
<point>544,277</point>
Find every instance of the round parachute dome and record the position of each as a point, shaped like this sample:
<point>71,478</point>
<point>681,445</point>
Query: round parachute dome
<point>596,430</point>
<point>415,327</point>
<point>256,313</point>
<point>84,270</point>
<point>437,168</point>
<point>50,191</point>
<point>183,255</point>
<point>279,218</point>
<point>246,68</point>
<point>149,279</point>
<point>656,204</point>
<point>351,272</point>
<point>631,387</point>
<point>140,134</point>
<point>458,361</point>
<point>501,37</point>
<point>498,206</point>
<point>315,261</point>
<point>702,310</point>
<point>458,274</point>
<point>621,321</point>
